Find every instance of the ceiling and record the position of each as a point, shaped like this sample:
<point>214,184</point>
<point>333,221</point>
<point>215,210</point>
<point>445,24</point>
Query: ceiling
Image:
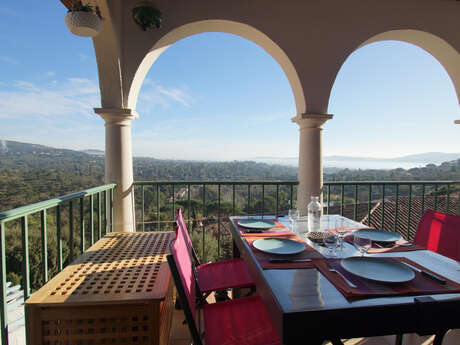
<point>67,3</point>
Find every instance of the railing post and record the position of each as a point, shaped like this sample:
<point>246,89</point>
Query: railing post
<point>409,211</point>
<point>218,220</point>
<point>396,208</point>
<point>382,220</point>
<point>174,207</point>
<point>4,312</point>
<point>342,198</point>
<point>25,257</point>
<point>369,205</point>
<point>44,245</point>
<point>105,213</point>
<point>189,202</point>
<point>99,217</point>
<point>158,208</point>
<point>355,210</point>
<point>233,200</point>
<point>91,218</point>
<point>263,200</point>
<point>143,208</point>
<point>70,231</point>
<point>59,237</point>
<point>277,199</point>
<point>249,199</point>
<point>204,221</point>
<point>82,224</point>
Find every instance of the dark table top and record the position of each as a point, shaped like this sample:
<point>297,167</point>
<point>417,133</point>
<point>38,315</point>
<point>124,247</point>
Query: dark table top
<point>302,302</point>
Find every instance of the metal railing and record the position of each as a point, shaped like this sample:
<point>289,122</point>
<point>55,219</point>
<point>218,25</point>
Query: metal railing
<point>393,205</point>
<point>94,207</point>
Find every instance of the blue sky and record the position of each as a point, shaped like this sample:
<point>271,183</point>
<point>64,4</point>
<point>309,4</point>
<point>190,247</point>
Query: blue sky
<point>217,96</point>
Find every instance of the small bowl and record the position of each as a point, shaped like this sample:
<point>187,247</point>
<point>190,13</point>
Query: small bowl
<point>318,236</point>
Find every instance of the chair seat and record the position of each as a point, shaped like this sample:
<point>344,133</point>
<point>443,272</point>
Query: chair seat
<point>243,321</point>
<point>223,274</point>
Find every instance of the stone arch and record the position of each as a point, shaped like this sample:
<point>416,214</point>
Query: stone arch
<point>226,26</point>
<point>441,50</point>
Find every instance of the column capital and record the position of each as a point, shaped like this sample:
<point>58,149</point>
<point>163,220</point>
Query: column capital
<point>116,115</point>
<point>307,120</point>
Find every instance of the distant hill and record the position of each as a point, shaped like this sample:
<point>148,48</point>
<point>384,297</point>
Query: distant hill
<point>332,163</point>
<point>94,152</point>
<point>430,157</point>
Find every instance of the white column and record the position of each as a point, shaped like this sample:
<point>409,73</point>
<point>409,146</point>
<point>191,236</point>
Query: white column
<point>310,158</point>
<point>119,164</point>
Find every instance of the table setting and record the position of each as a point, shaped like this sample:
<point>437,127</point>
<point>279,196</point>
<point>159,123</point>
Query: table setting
<point>340,250</point>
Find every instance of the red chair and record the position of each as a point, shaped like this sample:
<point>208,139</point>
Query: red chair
<point>440,233</point>
<point>219,275</point>
<point>244,321</point>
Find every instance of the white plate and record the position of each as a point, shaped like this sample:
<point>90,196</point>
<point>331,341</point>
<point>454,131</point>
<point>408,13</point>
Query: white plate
<point>256,224</point>
<point>281,246</point>
<point>377,235</point>
<point>378,269</point>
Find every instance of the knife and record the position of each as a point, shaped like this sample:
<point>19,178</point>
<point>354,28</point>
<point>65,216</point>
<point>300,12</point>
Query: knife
<point>426,273</point>
<point>282,261</point>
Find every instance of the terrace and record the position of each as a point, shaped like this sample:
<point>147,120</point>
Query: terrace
<point>124,206</point>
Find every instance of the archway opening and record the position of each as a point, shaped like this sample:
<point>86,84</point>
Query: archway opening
<point>223,95</point>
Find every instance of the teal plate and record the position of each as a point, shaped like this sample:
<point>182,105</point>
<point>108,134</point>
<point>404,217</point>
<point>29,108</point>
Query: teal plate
<point>256,224</point>
<point>378,269</point>
<point>281,246</point>
<point>377,235</point>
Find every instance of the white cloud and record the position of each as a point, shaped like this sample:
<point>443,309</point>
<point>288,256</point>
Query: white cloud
<point>9,60</point>
<point>70,97</point>
<point>153,93</point>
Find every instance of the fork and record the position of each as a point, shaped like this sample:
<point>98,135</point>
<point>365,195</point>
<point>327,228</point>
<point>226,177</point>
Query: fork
<point>343,277</point>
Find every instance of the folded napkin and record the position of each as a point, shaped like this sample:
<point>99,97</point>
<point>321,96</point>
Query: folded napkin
<point>276,231</point>
<point>264,258</point>
<point>399,246</point>
<point>420,285</point>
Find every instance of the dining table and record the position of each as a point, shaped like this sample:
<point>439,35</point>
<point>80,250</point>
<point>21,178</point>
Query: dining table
<point>309,304</point>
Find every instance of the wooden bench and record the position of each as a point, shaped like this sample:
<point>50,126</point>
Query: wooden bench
<point>118,292</point>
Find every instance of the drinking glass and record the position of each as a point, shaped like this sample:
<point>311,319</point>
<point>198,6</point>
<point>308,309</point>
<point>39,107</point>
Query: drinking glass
<point>292,214</point>
<point>330,240</point>
<point>363,244</point>
<point>341,231</point>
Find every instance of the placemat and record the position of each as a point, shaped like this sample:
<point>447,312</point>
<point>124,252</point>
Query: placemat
<point>279,230</point>
<point>420,285</point>
<point>400,246</point>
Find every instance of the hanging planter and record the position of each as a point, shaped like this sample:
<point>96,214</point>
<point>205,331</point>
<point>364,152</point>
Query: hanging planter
<point>83,20</point>
<point>147,16</point>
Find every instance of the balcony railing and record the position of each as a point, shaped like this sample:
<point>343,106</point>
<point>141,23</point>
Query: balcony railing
<point>394,205</point>
<point>73,229</point>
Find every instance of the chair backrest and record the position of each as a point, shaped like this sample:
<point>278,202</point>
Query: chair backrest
<point>183,274</point>
<point>440,233</point>
<point>181,224</point>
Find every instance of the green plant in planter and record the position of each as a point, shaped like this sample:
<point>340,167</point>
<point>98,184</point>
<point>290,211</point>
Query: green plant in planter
<point>147,16</point>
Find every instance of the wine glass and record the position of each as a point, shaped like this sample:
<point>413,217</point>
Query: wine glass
<point>341,231</point>
<point>363,244</point>
<point>292,214</point>
<point>330,240</point>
